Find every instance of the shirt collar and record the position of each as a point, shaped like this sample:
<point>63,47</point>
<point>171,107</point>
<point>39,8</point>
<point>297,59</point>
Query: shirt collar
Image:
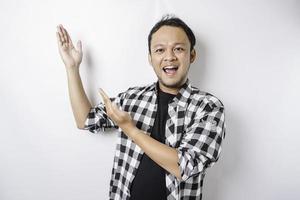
<point>182,96</point>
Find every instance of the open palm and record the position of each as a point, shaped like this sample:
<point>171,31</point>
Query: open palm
<point>71,56</point>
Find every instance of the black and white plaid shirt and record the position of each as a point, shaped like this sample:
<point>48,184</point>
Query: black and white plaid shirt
<point>195,127</point>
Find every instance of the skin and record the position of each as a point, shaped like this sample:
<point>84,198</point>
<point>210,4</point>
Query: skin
<point>71,56</point>
<point>169,46</point>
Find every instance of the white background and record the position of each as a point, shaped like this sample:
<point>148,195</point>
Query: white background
<point>248,56</point>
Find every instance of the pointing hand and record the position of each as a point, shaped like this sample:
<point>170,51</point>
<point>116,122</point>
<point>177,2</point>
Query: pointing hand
<point>121,118</point>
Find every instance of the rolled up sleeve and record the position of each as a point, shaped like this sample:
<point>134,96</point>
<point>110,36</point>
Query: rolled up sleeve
<point>97,119</point>
<point>200,146</point>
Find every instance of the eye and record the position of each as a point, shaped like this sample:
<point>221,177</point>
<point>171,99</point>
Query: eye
<point>179,49</point>
<point>160,50</point>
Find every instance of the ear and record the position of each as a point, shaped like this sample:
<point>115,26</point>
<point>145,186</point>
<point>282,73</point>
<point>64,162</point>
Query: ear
<point>149,59</point>
<point>193,56</point>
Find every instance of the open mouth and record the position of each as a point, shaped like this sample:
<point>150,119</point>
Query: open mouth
<point>170,70</point>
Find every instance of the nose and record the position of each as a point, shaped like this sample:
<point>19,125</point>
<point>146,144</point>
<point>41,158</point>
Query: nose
<point>169,56</point>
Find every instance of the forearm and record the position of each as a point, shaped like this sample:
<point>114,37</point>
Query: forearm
<point>162,154</point>
<point>79,101</point>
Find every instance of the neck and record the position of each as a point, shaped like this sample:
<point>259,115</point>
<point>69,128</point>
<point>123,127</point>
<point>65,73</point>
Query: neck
<point>168,89</point>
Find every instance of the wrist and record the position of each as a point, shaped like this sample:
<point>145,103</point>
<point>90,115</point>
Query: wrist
<point>130,130</point>
<point>134,133</point>
<point>72,70</point>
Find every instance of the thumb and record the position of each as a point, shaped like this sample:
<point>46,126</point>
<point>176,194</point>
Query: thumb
<point>79,46</point>
<point>117,110</point>
<point>115,107</point>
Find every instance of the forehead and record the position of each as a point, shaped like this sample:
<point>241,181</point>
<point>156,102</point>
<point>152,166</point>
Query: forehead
<point>169,35</point>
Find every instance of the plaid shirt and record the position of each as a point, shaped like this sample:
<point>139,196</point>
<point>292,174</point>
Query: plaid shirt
<point>195,128</point>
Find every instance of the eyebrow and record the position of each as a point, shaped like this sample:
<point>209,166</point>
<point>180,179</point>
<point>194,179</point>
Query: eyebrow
<point>177,43</point>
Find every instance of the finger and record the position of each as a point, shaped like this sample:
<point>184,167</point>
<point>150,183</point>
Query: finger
<point>104,95</point>
<point>58,39</point>
<point>69,40</point>
<point>107,102</point>
<point>61,34</point>
<point>79,46</point>
<point>106,99</point>
<point>115,107</point>
<point>116,110</point>
<point>64,33</point>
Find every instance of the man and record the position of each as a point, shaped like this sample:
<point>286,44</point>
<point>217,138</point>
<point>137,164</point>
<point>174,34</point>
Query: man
<point>169,131</point>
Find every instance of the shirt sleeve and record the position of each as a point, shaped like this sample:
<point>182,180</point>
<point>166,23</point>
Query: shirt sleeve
<point>97,119</point>
<point>200,146</point>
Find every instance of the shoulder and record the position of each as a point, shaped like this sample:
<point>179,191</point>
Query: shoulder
<point>205,100</point>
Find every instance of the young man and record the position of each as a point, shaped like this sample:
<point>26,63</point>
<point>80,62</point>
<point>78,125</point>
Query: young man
<point>169,132</point>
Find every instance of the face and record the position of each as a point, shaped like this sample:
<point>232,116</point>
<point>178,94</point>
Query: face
<point>171,57</point>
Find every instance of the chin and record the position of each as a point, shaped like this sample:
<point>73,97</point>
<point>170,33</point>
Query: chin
<point>172,84</point>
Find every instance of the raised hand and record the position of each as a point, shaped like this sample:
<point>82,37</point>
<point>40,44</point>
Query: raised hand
<point>71,56</point>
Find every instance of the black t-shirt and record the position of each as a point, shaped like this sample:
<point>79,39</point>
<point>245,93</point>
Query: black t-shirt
<point>149,182</point>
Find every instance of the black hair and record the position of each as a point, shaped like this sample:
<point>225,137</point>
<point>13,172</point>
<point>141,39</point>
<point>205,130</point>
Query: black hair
<point>171,20</point>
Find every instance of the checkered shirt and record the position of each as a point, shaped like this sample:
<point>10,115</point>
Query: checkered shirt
<point>195,127</point>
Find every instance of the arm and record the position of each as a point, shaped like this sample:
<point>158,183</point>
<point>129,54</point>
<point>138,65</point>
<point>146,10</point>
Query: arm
<point>200,147</point>
<point>162,154</point>
<point>72,58</point>
<point>79,101</point>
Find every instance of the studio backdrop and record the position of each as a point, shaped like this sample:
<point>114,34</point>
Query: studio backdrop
<point>248,55</point>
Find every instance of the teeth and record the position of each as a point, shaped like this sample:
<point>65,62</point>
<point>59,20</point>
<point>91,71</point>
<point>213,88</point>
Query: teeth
<point>170,67</point>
